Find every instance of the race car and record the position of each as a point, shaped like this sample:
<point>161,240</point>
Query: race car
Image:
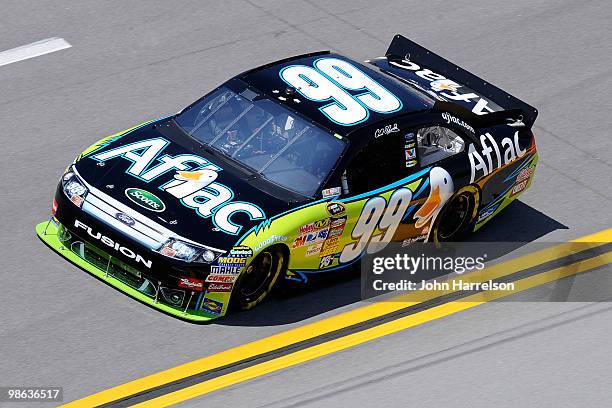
<point>291,169</point>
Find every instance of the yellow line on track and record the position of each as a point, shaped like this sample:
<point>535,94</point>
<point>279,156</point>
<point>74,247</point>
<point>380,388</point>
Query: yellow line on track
<point>372,333</point>
<point>347,319</point>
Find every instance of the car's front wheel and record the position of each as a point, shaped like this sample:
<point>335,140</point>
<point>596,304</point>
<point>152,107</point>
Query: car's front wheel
<point>458,216</point>
<point>259,278</point>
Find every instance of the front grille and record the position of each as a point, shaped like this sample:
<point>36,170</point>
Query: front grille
<point>123,272</point>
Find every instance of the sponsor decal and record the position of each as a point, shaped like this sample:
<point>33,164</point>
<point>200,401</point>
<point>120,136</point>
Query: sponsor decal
<point>77,200</point>
<point>408,137</point>
<point>231,261</point>
<point>451,119</point>
<point>326,261</point>
<point>524,174</point>
<point>440,85</point>
<point>220,287</point>
<point>336,209</point>
<point>387,130</point>
<point>269,241</point>
<point>320,235</point>
<point>145,199</point>
<point>191,283</point>
<point>330,246</point>
<point>320,224</point>
<point>485,214</point>
<point>306,228</point>
<point>336,222</point>
<point>420,238</point>
<point>313,226</point>
<point>168,251</point>
<point>241,251</point>
<point>411,163</point>
<point>448,88</point>
<point>410,153</point>
<point>484,162</point>
<point>124,218</point>
<point>114,245</point>
<point>518,187</point>
<point>310,238</point>
<point>54,207</point>
<point>314,249</point>
<point>224,270</point>
<point>212,306</point>
<point>213,278</point>
<point>336,232</point>
<point>331,192</point>
<point>193,183</point>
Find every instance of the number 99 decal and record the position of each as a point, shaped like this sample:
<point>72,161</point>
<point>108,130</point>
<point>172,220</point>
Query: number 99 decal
<point>330,79</point>
<point>376,214</point>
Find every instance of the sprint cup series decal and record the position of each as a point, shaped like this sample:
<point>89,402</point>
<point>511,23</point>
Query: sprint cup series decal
<point>193,183</point>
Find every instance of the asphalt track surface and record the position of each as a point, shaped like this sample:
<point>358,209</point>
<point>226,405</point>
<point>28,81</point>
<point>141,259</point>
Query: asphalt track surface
<point>132,62</point>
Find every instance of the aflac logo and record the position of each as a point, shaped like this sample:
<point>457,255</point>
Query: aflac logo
<point>193,184</point>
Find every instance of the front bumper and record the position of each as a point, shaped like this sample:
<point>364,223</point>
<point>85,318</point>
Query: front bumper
<point>121,276</point>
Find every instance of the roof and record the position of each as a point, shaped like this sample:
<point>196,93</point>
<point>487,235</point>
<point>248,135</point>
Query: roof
<point>292,89</point>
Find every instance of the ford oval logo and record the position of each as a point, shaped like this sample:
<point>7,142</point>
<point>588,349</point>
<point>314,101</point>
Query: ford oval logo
<point>124,218</point>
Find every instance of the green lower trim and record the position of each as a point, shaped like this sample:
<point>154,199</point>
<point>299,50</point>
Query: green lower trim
<point>47,232</point>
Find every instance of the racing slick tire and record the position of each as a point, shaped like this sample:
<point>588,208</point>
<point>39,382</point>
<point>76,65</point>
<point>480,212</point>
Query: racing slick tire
<point>458,217</point>
<point>259,278</point>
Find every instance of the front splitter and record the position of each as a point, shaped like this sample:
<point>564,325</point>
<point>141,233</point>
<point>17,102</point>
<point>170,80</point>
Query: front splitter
<point>47,231</point>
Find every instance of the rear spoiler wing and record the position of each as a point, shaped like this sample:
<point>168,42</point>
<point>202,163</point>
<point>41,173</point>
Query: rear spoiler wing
<point>403,49</point>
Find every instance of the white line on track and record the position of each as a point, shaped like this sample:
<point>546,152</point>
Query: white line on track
<point>35,49</point>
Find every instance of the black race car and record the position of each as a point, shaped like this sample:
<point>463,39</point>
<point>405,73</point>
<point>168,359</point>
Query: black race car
<point>289,169</point>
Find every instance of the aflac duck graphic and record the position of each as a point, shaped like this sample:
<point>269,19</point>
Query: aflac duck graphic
<point>441,189</point>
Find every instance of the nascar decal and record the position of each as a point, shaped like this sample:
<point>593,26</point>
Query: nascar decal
<point>331,79</point>
<point>511,151</point>
<point>193,182</point>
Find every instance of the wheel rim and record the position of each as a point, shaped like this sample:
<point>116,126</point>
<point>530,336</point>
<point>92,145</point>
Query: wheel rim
<point>456,217</point>
<point>257,276</point>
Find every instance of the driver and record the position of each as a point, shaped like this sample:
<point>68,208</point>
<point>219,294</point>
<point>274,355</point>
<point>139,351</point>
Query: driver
<point>272,138</point>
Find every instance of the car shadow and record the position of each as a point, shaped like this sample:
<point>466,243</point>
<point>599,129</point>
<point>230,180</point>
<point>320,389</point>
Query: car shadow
<point>518,225</point>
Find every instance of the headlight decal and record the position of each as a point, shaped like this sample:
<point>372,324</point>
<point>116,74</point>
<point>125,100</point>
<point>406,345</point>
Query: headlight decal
<point>177,249</point>
<point>74,188</point>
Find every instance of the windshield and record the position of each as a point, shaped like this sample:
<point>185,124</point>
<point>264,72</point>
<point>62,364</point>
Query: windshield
<point>264,136</point>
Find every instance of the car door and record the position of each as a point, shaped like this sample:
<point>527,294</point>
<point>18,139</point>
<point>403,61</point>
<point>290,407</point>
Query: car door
<point>399,185</point>
<point>377,196</point>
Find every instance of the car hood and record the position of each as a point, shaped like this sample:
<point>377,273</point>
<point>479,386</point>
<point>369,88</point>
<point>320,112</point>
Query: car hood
<point>222,202</point>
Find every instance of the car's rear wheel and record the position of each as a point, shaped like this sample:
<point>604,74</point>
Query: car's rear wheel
<point>457,218</point>
<point>259,278</point>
